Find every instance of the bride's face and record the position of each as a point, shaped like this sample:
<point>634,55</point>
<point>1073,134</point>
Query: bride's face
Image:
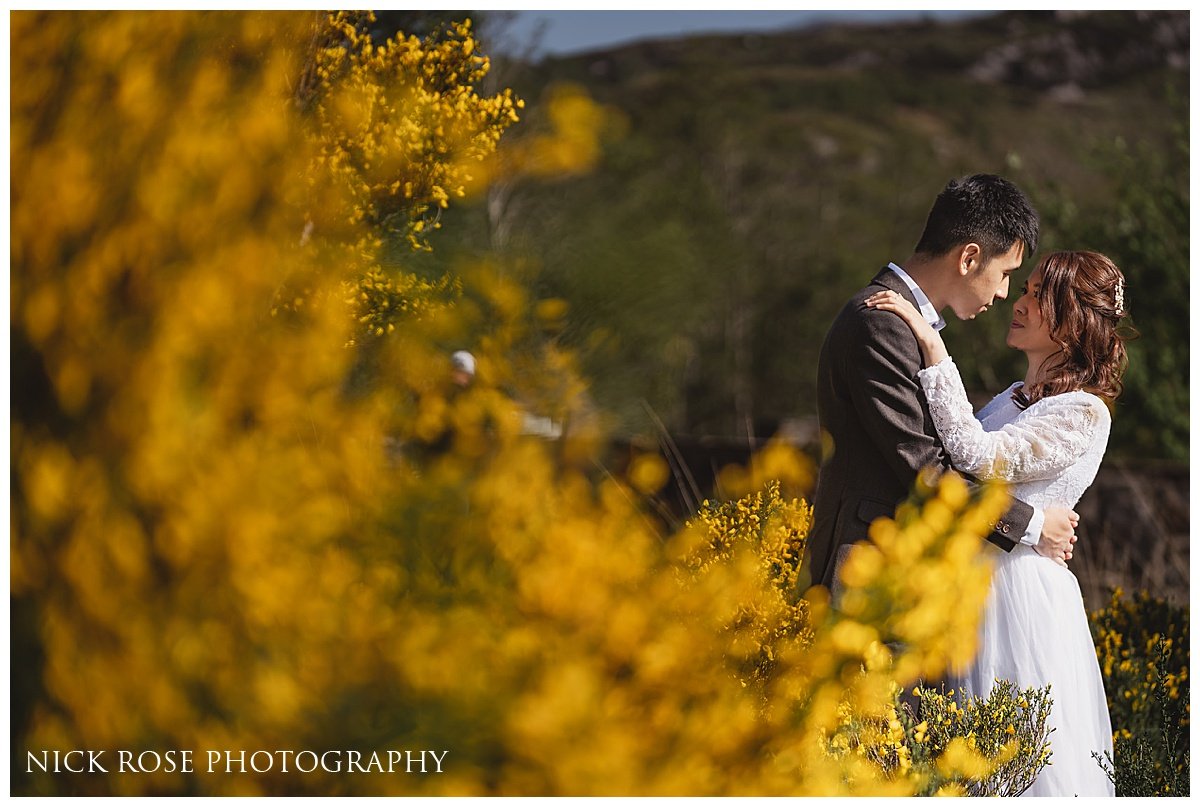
<point>1028,331</point>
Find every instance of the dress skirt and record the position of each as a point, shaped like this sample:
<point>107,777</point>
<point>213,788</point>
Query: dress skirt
<point>1034,631</point>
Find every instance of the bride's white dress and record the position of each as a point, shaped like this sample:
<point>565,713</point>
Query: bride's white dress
<point>1034,629</point>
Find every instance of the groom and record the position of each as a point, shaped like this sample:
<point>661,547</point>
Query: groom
<point>869,400</point>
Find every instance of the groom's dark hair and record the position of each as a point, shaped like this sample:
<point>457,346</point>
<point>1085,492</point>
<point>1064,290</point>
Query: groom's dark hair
<point>985,209</point>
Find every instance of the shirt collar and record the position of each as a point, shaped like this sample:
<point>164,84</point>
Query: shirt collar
<point>927,310</point>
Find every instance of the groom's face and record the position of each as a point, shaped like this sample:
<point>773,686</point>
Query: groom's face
<point>984,282</point>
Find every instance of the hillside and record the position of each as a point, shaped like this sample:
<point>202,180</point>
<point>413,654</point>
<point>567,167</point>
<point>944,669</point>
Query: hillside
<point>760,179</point>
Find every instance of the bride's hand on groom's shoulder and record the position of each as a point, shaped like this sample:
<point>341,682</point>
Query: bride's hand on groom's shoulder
<point>1057,541</point>
<point>933,349</point>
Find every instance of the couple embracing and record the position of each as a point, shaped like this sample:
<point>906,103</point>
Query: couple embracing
<point>892,400</point>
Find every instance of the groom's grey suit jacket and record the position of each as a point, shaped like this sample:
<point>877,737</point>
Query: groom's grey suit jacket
<point>871,405</point>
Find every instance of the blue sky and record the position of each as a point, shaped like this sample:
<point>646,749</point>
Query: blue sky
<point>574,31</point>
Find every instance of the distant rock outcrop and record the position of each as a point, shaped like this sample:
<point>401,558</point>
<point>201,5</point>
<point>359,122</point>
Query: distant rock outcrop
<point>1093,49</point>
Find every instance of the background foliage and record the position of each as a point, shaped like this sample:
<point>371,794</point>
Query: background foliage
<point>763,178</point>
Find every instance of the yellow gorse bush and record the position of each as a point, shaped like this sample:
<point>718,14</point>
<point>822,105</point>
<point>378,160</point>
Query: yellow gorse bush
<point>1127,632</point>
<point>1142,645</point>
<point>888,631</point>
<point>568,139</point>
<point>991,746</point>
<point>396,131</point>
<point>401,126</point>
<point>211,549</point>
<point>923,578</point>
<point>773,530</point>
<point>187,481</point>
<point>880,741</point>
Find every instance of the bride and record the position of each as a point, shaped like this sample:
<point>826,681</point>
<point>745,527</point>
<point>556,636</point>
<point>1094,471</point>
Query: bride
<point>1045,436</point>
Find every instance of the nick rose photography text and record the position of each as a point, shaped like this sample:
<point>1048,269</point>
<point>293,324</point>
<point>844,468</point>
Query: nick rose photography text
<point>235,762</point>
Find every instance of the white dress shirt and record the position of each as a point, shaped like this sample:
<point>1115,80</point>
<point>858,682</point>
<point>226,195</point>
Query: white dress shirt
<point>923,303</point>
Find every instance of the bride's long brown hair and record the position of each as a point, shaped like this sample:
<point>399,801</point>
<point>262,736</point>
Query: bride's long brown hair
<point>1082,300</point>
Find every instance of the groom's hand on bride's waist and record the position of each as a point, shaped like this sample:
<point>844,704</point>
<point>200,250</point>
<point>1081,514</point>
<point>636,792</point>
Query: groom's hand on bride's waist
<point>1057,541</point>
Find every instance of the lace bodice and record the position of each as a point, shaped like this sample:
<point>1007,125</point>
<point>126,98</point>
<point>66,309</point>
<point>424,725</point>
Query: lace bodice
<point>1048,453</point>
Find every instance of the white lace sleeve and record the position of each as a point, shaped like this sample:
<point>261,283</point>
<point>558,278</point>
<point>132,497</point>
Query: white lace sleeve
<point>1047,438</point>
